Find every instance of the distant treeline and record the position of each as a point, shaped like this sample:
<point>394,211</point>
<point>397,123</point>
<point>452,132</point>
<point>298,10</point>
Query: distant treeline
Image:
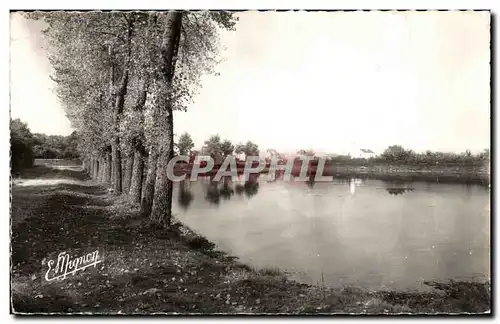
<point>398,155</point>
<point>26,146</point>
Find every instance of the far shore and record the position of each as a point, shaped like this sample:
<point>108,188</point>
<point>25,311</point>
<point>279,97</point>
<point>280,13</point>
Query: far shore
<point>438,173</point>
<point>381,172</point>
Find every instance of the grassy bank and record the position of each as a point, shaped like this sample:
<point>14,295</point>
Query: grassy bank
<point>443,173</point>
<point>149,270</point>
<point>344,170</point>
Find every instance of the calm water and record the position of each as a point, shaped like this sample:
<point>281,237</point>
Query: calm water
<point>369,233</point>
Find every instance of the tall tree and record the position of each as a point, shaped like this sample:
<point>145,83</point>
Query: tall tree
<point>163,109</point>
<point>185,143</point>
<point>213,145</point>
<point>189,49</point>
<point>119,77</point>
<point>227,148</point>
<point>118,93</point>
<point>249,149</point>
<point>90,53</point>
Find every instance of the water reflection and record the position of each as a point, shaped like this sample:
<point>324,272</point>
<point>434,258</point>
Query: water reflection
<point>353,183</point>
<point>227,189</point>
<point>398,187</point>
<point>185,194</point>
<point>310,182</point>
<point>398,191</point>
<point>239,189</point>
<point>370,238</point>
<point>213,194</point>
<point>251,186</point>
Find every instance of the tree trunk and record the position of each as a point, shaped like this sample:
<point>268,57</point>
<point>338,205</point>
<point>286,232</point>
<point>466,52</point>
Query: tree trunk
<point>136,178</point>
<point>149,185</point>
<point>102,170</point>
<point>108,169</point>
<point>115,149</point>
<point>137,175</point>
<point>91,167</point>
<point>117,163</point>
<point>116,154</point>
<point>127,174</point>
<point>96,169</point>
<point>119,100</point>
<point>144,176</point>
<point>112,178</point>
<point>84,164</point>
<point>161,211</point>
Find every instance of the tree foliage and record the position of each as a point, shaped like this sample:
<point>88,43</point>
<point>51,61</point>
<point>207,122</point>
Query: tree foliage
<point>185,143</point>
<point>249,149</point>
<point>307,152</point>
<point>21,145</point>
<point>119,76</point>
<point>227,147</point>
<point>216,146</point>
<point>55,146</point>
<point>213,145</point>
<point>396,154</point>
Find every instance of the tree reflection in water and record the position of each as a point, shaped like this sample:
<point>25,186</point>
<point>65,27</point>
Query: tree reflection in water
<point>239,189</point>
<point>310,182</point>
<point>185,194</point>
<point>251,186</point>
<point>398,187</point>
<point>398,191</point>
<point>213,194</point>
<point>227,188</point>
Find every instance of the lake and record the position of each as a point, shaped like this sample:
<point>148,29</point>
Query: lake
<point>360,232</point>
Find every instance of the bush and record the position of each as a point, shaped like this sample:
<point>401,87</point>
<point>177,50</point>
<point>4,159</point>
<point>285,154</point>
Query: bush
<point>21,146</point>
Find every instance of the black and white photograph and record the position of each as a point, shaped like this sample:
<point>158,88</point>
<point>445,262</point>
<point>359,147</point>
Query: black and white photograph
<point>251,162</point>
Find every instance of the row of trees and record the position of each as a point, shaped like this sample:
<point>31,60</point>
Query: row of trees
<point>26,146</point>
<point>215,145</point>
<point>399,155</point>
<point>120,76</point>
<point>394,154</point>
<point>55,146</point>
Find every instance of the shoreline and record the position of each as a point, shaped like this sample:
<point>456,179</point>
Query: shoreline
<point>447,175</point>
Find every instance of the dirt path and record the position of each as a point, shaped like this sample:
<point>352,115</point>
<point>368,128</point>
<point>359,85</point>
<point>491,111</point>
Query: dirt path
<point>147,271</point>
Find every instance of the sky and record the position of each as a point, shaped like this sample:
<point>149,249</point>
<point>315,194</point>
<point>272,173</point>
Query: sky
<point>327,81</point>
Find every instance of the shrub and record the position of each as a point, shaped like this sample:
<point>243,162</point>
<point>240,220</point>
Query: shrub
<point>21,146</point>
